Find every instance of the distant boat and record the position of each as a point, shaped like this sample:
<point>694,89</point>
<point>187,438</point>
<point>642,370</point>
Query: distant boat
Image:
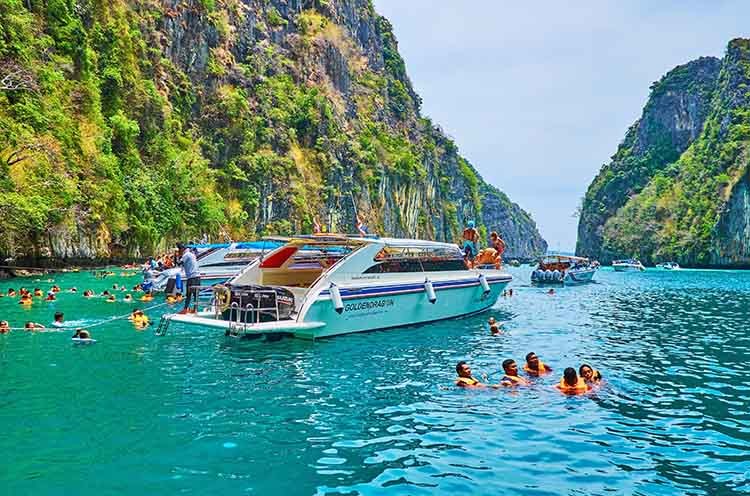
<point>629,265</point>
<point>669,266</point>
<point>563,269</point>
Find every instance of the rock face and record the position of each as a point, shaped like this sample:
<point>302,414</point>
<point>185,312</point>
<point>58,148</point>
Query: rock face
<point>679,190</point>
<point>672,119</point>
<point>228,118</point>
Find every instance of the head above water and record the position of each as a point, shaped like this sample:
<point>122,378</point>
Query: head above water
<point>532,360</point>
<point>570,376</point>
<point>59,316</point>
<point>463,369</point>
<point>510,367</point>
<point>586,371</point>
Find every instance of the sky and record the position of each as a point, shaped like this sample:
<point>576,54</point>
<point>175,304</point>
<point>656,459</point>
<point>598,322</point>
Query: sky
<point>537,95</point>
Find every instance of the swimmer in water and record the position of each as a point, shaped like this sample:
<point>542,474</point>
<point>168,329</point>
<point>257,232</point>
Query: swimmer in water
<point>590,374</point>
<point>11,292</point>
<point>73,290</point>
<point>495,330</point>
<point>111,299</point>
<point>33,326</point>
<point>25,300</point>
<point>59,318</point>
<point>55,289</point>
<point>551,292</point>
<point>82,334</point>
<point>465,379</point>
<point>571,383</point>
<point>50,296</point>
<point>88,293</point>
<point>511,377</point>
<point>38,292</point>
<point>105,293</point>
<point>4,327</point>
<point>127,298</point>
<point>534,366</point>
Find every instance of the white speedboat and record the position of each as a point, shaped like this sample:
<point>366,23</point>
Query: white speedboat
<point>217,263</point>
<point>563,269</point>
<point>220,262</point>
<point>669,266</point>
<point>321,286</point>
<point>630,265</point>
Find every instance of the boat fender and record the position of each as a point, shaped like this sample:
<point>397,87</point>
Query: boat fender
<point>556,275</point>
<point>547,275</point>
<point>338,303</point>
<point>430,290</point>
<point>484,283</point>
<point>222,297</point>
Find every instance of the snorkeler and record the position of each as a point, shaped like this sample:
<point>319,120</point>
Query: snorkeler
<point>465,378</point>
<point>589,374</point>
<point>534,366</point>
<point>571,383</point>
<point>511,377</point>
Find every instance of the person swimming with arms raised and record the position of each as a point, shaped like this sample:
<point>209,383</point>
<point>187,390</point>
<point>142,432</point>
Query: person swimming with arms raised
<point>590,374</point>
<point>534,366</point>
<point>570,383</point>
<point>511,377</point>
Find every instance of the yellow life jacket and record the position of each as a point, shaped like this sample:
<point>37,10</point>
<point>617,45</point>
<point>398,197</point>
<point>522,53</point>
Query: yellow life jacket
<point>579,388</point>
<point>466,381</point>
<point>540,371</point>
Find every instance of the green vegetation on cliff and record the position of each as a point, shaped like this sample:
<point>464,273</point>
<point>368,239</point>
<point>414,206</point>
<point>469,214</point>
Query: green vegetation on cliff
<point>125,125</point>
<point>674,209</point>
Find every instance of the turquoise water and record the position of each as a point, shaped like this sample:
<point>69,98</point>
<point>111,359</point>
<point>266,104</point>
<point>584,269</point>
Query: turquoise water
<point>196,413</point>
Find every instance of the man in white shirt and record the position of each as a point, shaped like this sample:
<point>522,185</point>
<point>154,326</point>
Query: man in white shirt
<point>192,274</point>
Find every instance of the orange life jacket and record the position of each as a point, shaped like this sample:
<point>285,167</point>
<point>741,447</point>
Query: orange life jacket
<point>579,388</point>
<point>540,371</point>
<point>466,381</point>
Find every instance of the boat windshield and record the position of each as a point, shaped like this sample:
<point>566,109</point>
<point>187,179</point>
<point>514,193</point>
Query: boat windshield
<point>440,258</point>
<point>299,265</point>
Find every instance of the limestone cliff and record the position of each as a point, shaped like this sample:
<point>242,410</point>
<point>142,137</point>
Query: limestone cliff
<point>172,119</point>
<point>690,205</point>
<point>672,119</point>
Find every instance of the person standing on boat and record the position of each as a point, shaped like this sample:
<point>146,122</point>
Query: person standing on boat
<point>471,241</point>
<point>192,274</point>
<point>499,245</point>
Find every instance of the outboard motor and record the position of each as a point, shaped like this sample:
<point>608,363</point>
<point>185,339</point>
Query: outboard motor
<point>263,300</point>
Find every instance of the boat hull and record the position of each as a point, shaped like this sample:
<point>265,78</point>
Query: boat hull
<point>373,308</point>
<point>628,268</point>
<point>579,276</point>
<point>382,308</point>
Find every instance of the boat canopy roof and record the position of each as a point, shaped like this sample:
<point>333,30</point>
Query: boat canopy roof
<point>310,240</point>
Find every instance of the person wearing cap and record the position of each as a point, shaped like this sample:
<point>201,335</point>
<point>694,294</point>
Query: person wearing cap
<point>192,274</point>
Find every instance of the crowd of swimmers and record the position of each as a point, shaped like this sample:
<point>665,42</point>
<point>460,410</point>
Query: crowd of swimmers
<point>26,298</point>
<point>571,382</point>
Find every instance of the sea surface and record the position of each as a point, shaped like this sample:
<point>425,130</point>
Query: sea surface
<point>194,412</point>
